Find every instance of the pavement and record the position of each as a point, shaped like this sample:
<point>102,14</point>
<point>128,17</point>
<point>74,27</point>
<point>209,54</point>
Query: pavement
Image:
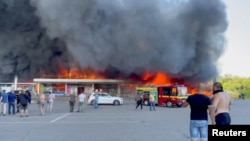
<point>107,123</point>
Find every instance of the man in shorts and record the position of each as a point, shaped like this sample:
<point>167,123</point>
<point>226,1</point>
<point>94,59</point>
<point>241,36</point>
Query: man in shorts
<point>23,100</point>
<point>42,100</point>
<point>200,104</point>
<point>221,102</point>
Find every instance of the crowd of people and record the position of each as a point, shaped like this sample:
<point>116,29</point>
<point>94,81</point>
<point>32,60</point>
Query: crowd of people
<point>15,102</point>
<point>217,106</point>
<point>81,99</point>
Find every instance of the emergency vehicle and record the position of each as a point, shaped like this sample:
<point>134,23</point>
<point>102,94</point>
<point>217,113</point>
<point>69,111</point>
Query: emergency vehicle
<point>167,95</point>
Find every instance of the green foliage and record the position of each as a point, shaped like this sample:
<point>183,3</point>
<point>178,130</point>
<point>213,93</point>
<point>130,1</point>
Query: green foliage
<point>236,84</point>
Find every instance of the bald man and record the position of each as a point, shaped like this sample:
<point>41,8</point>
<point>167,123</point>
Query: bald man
<point>200,104</point>
<point>221,101</point>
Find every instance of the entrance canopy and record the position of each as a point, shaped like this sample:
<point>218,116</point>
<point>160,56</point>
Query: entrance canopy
<point>78,81</point>
<point>66,86</point>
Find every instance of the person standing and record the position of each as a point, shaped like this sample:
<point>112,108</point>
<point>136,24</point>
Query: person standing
<point>12,102</point>
<point>96,99</point>
<point>50,101</point>
<point>27,92</point>
<point>139,102</point>
<point>72,100</point>
<point>23,100</point>
<point>81,100</point>
<point>151,102</point>
<point>200,104</point>
<point>18,101</point>
<point>4,101</point>
<point>221,102</point>
<point>0,103</point>
<point>42,100</point>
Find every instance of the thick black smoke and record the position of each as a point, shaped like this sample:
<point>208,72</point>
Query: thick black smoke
<point>183,38</point>
<point>25,49</point>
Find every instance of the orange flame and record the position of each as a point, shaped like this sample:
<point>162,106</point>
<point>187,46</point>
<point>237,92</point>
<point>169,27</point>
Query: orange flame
<point>207,91</point>
<point>158,78</point>
<point>76,73</point>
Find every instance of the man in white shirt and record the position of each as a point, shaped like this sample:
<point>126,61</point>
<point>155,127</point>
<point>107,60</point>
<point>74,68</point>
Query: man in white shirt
<point>50,101</point>
<point>81,100</point>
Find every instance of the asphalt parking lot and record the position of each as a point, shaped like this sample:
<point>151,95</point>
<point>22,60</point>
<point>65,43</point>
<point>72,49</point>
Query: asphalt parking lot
<point>107,123</point>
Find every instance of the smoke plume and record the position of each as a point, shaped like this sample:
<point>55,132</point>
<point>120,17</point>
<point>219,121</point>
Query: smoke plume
<point>183,38</point>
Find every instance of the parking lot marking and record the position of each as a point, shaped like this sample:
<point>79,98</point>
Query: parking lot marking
<point>19,122</point>
<point>52,121</point>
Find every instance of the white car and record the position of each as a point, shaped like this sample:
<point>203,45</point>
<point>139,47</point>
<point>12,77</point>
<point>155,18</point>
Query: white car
<point>105,98</point>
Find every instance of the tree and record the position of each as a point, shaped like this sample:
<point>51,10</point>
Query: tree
<point>236,84</point>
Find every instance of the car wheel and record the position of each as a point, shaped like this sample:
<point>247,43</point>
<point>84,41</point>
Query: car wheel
<point>145,102</point>
<point>92,102</point>
<point>116,102</point>
<point>179,104</point>
<point>169,104</point>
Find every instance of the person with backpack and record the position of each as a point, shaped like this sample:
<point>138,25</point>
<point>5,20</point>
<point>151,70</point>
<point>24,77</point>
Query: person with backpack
<point>72,100</point>
<point>23,100</point>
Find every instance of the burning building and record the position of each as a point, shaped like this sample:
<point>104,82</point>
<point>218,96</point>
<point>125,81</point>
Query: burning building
<point>143,40</point>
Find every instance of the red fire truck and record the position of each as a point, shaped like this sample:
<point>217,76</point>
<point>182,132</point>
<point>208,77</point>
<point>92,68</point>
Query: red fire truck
<point>167,95</point>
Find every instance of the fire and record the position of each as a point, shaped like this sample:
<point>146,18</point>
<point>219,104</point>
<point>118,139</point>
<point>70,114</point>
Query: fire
<point>78,74</point>
<point>207,91</point>
<point>158,78</point>
<point>75,73</point>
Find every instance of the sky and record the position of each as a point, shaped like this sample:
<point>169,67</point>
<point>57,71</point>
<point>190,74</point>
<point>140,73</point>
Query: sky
<point>235,60</point>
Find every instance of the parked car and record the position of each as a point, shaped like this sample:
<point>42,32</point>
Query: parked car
<point>105,98</point>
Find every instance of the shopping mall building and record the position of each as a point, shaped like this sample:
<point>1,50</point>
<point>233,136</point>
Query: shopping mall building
<point>67,86</point>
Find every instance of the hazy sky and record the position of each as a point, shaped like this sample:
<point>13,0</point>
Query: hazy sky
<point>236,58</point>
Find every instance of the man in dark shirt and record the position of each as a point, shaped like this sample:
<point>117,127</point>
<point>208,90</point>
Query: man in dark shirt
<point>200,105</point>
<point>23,100</point>
<point>12,102</point>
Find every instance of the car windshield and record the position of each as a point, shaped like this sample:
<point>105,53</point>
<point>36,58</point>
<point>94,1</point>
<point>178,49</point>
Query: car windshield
<point>104,95</point>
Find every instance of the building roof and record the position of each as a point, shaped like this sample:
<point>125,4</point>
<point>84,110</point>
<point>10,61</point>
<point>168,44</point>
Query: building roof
<point>76,81</point>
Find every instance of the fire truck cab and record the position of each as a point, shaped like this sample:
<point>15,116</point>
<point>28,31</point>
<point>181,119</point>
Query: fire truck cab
<point>167,95</point>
